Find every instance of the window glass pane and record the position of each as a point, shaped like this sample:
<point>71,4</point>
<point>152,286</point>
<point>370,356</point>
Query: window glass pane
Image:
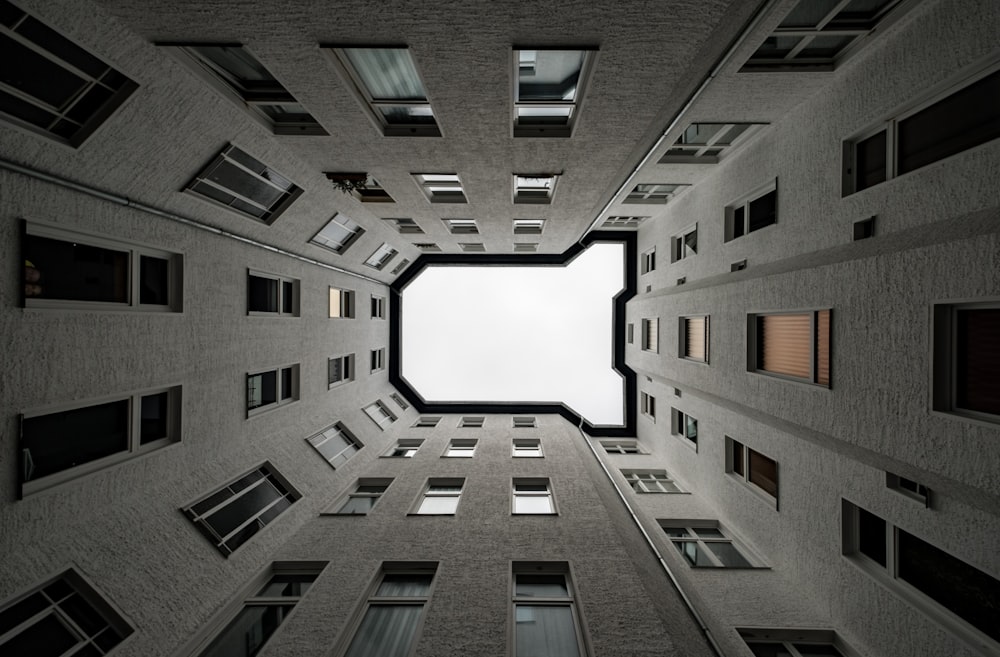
<point>763,211</point>
<point>74,271</point>
<point>47,637</point>
<point>237,63</point>
<point>548,74</point>
<point>807,649</point>
<point>770,650</point>
<point>738,458</point>
<point>262,294</point>
<point>246,633</point>
<point>809,13</point>
<point>154,280</point>
<point>245,184</point>
<point>693,554</point>
<point>38,76</point>
<point>545,630</point>
<point>387,73</point>
<point>824,47</point>
<point>407,115</point>
<point>287,297</point>
<point>977,360</point>
<point>240,509</point>
<point>438,505</point>
<point>405,585</point>
<point>871,539</point>
<point>286,383</point>
<point>728,555</point>
<point>358,505</point>
<point>532,504</point>
<point>541,586</point>
<point>153,417</point>
<point>287,586</point>
<point>59,441</point>
<point>870,161</point>
<point>386,631</point>
<point>262,389</point>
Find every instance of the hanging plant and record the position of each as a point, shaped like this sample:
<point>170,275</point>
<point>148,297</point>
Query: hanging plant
<point>348,182</point>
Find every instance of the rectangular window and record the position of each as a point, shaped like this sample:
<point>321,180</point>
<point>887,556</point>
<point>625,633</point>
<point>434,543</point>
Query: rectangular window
<point>705,143</point>
<point>270,294</point>
<point>405,448</point>
<point>534,187</point>
<point>477,247</point>
<point>524,421</point>
<point>381,257</point>
<point>549,90</point>
<point>625,223</point>
<point>545,611</point>
<point>427,421</point>
<point>684,245</point>
<point>378,307</point>
<point>752,467</point>
<point>380,414</point>
<point>527,448</point>
<point>650,481</point>
<point>336,444</point>
<point>243,184</point>
<point>338,234</point>
<point>77,271</point>
<point>528,226</point>
<point>630,333</point>
<point>406,226</point>
<point>62,616</point>
<point>363,187</point>
<point>400,266</point>
<point>461,226</point>
<point>651,335</point>
<point>396,397</point>
<point>653,193</point>
<point>340,369</point>
<point>795,346</point>
<point>386,80</point>
<point>525,247</point>
<point>272,388</point>
<point>231,515</point>
<point>647,262</point>
<point>234,72</point>
<point>908,488</point>
<point>472,422</point>
<point>441,187</point>
<point>392,616</point>
<point>61,91</point>
<point>533,497</point>
<point>757,211</point>
<point>647,405</point>
<point>705,545</point>
<point>685,426</point>
<point>693,336</point>
<point>341,303</point>
<point>966,340</point>
<point>959,596</point>
<point>440,498</point>
<point>621,446</point>
<point>364,497</point>
<point>378,360</point>
<point>461,448</point>
<point>794,642</point>
<point>59,445</point>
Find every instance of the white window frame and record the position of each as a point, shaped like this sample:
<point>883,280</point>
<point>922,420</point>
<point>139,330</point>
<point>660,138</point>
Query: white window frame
<point>678,244</point>
<point>573,107</point>
<point>647,261</point>
<point>528,226</point>
<point>653,193</point>
<point>538,193</point>
<point>352,229</point>
<point>336,430</point>
<point>622,446</point>
<point>731,220</point>
<point>380,414</point>
<point>281,280</point>
<point>700,153</point>
<point>623,222</point>
<point>530,448</point>
<point>569,601</point>
<point>377,360</point>
<point>382,256</point>
<point>472,421</point>
<point>396,397</point>
<point>343,301</point>
<point>679,425</point>
<point>727,538</point>
<point>682,331</point>
<point>441,187</point>
<point>651,334</point>
<point>790,637</point>
<point>651,481</point>
<point>944,369</point>
<point>282,399</point>
<point>429,492</point>
<point>520,490</point>
<point>427,421</point>
<point>346,370</point>
<point>404,445</point>
<point>337,509</point>
<point>733,447</point>
<point>405,225</point>
<point>461,448</point>
<point>461,226</point>
<point>378,307</point>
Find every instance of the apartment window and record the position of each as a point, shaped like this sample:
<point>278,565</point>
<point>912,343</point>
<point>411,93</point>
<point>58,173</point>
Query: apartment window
<point>653,193</point>
<point>685,426</point>
<point>441,187</point>
<point>76,271</point>
<point>924,134</point>
<point>338,234</point>
<point>647,405</point>
<point>381,257</point>
<point>705,545</point>
<point>967,359</point>
<point>908,488</point>
<point>268,601</point>
<point>58,445</point>
<point>473,422</point>
<point>795,346</point>
<point>270,294</point>
<point>524,421</point>
<point>621,446</point>
<point>527,448</point>
<point>534,188</point>
<point>525,247</point>
<point>477,247</point>
<point>380,414</point>
<point>378,360</point>
<point>371,192</point>
<point>62,616</point>
<point>243,184</point>
<point>272,388</point>
<point>378,307</point>
<point>399,401</point>
<point>651,335</point>
<point>62,92</point>
<point>684,245</point>
<point>461,448</point>
<point>364,497</point>
<point>549,90</point>
<point>440,498</point>
<point>393,613</point>
<point>341,303</point>
<point>461,226</point>
<point>545,611</point>
<point>628,223</point>
<point>757,211</point>
<point>533,496</point>
<point>427,247</point>
<point>952,592</point>
<point>401,266</point>
<point>630,333</point>
<point>231,515</point>
<point>234,72</point>
<point>705,143</point>
<point>647,261</point>
<point>405,448</point>
<point>752,467</point>
<point>406,226</point>
<point>336,444</point>
<point>528,226</point>
<point>650,481</point>
<point>427,421</point>
<point>340,369</point>
<point>693,336</point>
<point>794,642</point>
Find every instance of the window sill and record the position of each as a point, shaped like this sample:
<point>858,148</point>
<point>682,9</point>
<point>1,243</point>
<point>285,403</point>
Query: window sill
<point>755,490</point>
<point>261,410</point>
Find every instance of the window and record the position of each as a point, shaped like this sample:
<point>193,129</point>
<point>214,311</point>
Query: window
<point>966,360</point>
<point>405,448</point>
<point>477,247</point>
<point>336,444</point>
<point>461,448</point>
<point>738,266</point>
<point>533,496</point>
<point>545,612</point>
<point>62,92</point>
<point>924,134</point>
<point>340,369</point>
<point>341,303</point>
<point>441,187</point>
<point>528,226</point>
<point>693,336</point>
<point>908,488</point>
<point>753,213</point>
<point>955,594</point>
<point>440,498</point>
<point>270,294</point>
<point>406,226</point>
<point>66,269</point>
<point>381,257</point>
<point>62,616</point>
<point>524,421</point>
<point>794,643</point>
<point>628,223</point>
<point>240,183</point>
<point>651,335</point>
<point>650,481</point>
<point>864,229</point>
<point>272,388</point>
<point>684,245</point>
<point>648,261</point>
<point>534,188</point>
<point>685,426</point>
<point>795,346</point>
<point>472,422</point>
<point>387,81</point>
<point>378,307</point>
<point>525,247</point>
<point>401,266</point>
<point>364,497</point>
<point>549,90</point>
<point>231,515</point>
<point>461,226</point>
<point>427,247</point>
<point>630,333</point>
<point>371,192</point>
<point>233,71</point>
<point>705,143</point>
<point>427,422</point>
<point>396,397</point>
<point>752,467</point>
<point>705,545</point>
<point>393,613</point>
<point>243,629</point>
<point>378,360</point>
<point>647,405</point>
<point>653,193</point>
<point>621,446</point>
<point>58,445</point>
<point>338,234</point>
<point>527,448</point>
<point>380,414</point>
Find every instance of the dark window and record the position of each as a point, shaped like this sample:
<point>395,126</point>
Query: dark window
<point>76,272</point>
<point>872,536</point>
<point>763,211</point>
<point>263,294</point>
<point>154,280</point>
<point>870,161</point>
<point>60,441</point>
<point>154,417</point>
<point>977,360</point>
<point>796,345</point>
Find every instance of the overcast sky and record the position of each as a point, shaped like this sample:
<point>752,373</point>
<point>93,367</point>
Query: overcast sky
<point>538,334</point>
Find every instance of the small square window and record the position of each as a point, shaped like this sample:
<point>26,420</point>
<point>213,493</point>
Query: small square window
<point>693,337</point>
<point>405,448</point>
<point>427,421</point>
<point>864,229</point>
<point>463,448</point>
<point>738,266</point>
<point>340,369</point>
<point>524,421</point>
<point>338,234</point>
<point>441,187</point>
<point>272,388</point>
<point>380,414</point>
<point>527,448</point>
<point>461,226</point>
<point>685,426</point>
<point>341,303</point>
<point>381,257</point>
<point>475,422</point>
<point>406,226</point>
<point>528,226</point>
<point>534,188</point>
<point>336,444</point>
<point>758,210</point>
<point>533,497</point>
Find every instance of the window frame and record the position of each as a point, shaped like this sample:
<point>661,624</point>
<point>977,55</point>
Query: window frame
<point>472,421</point>
<point>396,397</point>
<point>388,417</point>
<point>789,637</point>
<point>524,421</point>
<point>460,448</point>
<point>345,303</point>
<point>382,256</point>
<point>653,193</point>
<point>680,420</point>
<point>534,194</point>
<point>548,493</point>
<point>377,360</point>
<point>683,347</point>
<point>909,488</point>
<point>281,298</point>
<point>690,525</point>
<point>570,600</point>
<point>428,492</point>
<point>526,445</point>
<point>426,421</point>
<point>647,261</point>
<point>678,244</point>
<point>405,445</point>
<point>528,226</point>
<point>738,456</point>
<point>701,153</point>
<point>405,225</point>
<point>353,228</point>
<point>651,334</point>
<point>346,369</point>
<point>656,481</point>
<point>754,358</point>
<point>519,129</point>
<point>340,430</point>
<point>944,364</point>
<point>458,226</point>
<point>622,446</point>
<point>280,391</point>
<point>452,191</point>
<point>743,207</point>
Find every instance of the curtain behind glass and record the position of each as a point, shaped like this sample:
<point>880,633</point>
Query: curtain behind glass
<point>388,73</point>
<point>545,631</point>
<point>386,631</point>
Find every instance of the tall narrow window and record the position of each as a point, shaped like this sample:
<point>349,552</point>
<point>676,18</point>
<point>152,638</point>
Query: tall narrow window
<point>341,303</point>
<point>549,89</point>
<point>647,405</point>
<point>272,388</point>
<point>364,497</point>
<point>684,245</point>
<point>685,426</point>
<point>336,444</point>
<point>391,619</point>
<point>270,294</point>
<point>750,466</point>
<point>534,188</point>
<point>693,335</point>
<point>378,360</point>
<point>338,234</point>
<point>380,414</point>
<point>546,620</point>
<point>381,257</point>
<point>750,214</point>
<point>967,359</point>
<point>792,345</point>
<point>441,497</point>
<point>651,335</point>
<point>533,496</point>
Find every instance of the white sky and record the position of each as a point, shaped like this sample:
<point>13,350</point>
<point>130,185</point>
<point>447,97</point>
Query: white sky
<point>537,334</point>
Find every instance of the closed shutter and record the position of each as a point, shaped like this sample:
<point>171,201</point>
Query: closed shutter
<point>695,344</point>
<point>823,347</point>
<point>785,344</point>
<point>651,338</point>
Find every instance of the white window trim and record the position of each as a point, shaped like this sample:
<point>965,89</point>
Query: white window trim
<point>788,636</point>
<point>472,422</point>
<point>548,493</point>
<point>527,444</point>
<point>347,437</point>
<point>728,537</point>
<point>570,600</point>
<point>427,421</point>
<point>652,196</point>
<point>550,191</point>
<point>433,196</point>
<point>355,492</point>
<point>388,417</point>
<point>524,422</point>
<point>698,155</point>
<point>427,493</point>
<point>620,446</point>
<point>656,481</point>
<point>281,294</point>
<point>574,106</point>
<point>377,360</point>
<point>264,408</point>
<point>403,443</point>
